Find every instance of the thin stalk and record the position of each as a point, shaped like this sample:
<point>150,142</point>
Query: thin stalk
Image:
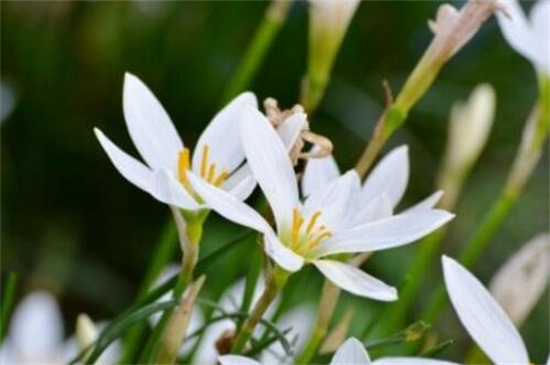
<point>327,305</point>
<point>189,233</point>
<point>177,326</point>
<point>272,22</point>
<point>276,280</point>
<point>329,299</point>
<point>8,298</point>
<point>250,286</point>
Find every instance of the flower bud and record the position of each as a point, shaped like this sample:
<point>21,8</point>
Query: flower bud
<point>521,281</point>
<point>86,332</point>
<point>328,22</point>
<point>469,129</point>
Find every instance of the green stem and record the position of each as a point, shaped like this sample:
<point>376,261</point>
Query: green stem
<point>250,287</point>
<point>8,298</point>
<point>177,326</point>
<point>189,233</point>
<point>274,18</point>
<point>329,299</point>
<point>276,280</point>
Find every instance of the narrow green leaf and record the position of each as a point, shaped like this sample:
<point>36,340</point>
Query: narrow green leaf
<point>8,298</point>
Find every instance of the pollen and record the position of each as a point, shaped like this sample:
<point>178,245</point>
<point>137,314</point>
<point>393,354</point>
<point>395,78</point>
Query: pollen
<point>304,240</point>
<point>209,171</point>
<point>183,166</point>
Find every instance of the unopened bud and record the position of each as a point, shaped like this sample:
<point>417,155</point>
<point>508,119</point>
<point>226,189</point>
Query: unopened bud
<point>453,29</point>
<point>328,22</point>
<point>86,332</point>
<point>521,281</point>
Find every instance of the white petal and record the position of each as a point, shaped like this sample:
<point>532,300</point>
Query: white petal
<point>290,130</point>
<point>227,205</point>
<point>351,352</point>
<point>170,191</point>
<point>540,21</point>
<point>270,164</point>
<point>150,127</point>
<point>222,135</point>
<point>318,173</point>
<point>390,176</point>
<point>517,31</point>
<point>483,318</point>
<point>411,361</point>
<point>386,233</point>
<point>132,170</point>
<point>335,200</point>
<point>237,360</point>
<point>37,325</point>
<point>355,281</point>
<point>425,204</point>
<point>282,255</point>
<point>379,208</point>
<point>241,183</point>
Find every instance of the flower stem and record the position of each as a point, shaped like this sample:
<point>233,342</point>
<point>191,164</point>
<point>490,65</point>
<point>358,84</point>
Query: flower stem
<point>275,281</point>
<point>327,305</point>
<point>329,299</point>
<point>274,18</point>
<point>177,326</point>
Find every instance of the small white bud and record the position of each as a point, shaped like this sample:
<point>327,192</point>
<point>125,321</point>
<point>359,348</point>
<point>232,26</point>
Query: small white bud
<point>521,281</point>
<point>470,125</point>
<point>86,332</point>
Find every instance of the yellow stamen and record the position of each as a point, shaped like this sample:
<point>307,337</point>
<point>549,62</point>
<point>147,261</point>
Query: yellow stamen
<point>220,179</point>
<point>297,221</point>
<point>183,166</point>
<point>204,159</point>
<point>313,220</point>
<point>324,235</point>
<point>211,173</point>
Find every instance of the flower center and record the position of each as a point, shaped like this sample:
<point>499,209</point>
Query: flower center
<point>305,237</point>
<point>208,170</point>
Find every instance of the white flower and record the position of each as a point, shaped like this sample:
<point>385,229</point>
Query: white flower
<point>521,281</point>
<point>320,226</point>
<point>36,335</point>
<point>529,37</point>
<point>217,158</point>
<point>350,352</point>
<point>380,193</point>
<point>483,317</point>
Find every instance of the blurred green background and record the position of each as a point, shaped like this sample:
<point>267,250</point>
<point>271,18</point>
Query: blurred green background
<point>72,224</point>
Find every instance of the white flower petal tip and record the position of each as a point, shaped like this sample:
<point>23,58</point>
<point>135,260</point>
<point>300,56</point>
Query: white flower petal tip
<point>390,176</point>
<point>386,233</point>
<point>351,352</point>
<point>236,360</point>
<point>356,281</point>
<point>429,203</point>
<point>132,170</point>
<point>482,316</point>
<point>149,126</point>
<point>269,161</point>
